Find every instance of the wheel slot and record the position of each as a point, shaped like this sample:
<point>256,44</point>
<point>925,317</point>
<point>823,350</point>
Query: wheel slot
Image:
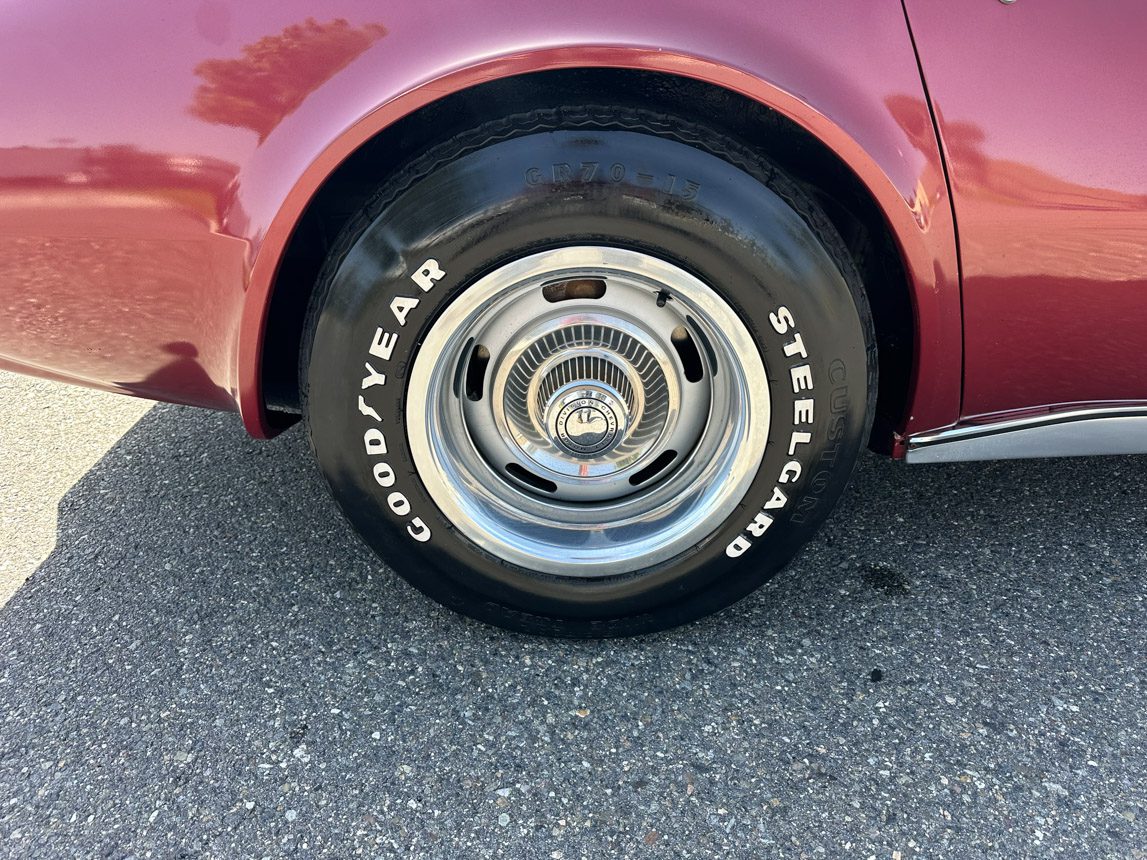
<point>460,370</point>
<point>710,353</point>
<point>687,351</point>
<point>578,288</point>
<point>528,477</point>
<point>654,468</point>
<point>476,372</point>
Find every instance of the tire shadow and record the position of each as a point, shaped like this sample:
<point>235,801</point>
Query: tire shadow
<point>209,662</point>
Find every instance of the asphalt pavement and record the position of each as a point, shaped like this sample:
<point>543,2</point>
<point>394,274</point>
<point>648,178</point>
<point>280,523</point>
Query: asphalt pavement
<point>209,664</point>
<point>50,435</point>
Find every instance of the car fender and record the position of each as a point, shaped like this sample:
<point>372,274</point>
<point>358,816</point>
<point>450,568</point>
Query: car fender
<point>874,116</point>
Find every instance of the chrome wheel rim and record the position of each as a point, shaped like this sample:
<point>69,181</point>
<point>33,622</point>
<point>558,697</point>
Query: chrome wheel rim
<point>587,411</point>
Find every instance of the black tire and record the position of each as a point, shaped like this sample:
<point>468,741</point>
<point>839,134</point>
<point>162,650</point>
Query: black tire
<point>675,190</point>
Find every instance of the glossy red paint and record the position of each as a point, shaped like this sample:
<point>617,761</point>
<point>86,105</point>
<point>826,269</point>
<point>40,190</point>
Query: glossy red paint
<point>154,166</point>
<point>1043,133</point>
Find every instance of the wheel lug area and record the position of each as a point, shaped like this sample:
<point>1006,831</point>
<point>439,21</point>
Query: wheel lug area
<point>585,399</point>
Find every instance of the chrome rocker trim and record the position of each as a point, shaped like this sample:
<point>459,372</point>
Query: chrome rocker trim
<point>1077,433</point>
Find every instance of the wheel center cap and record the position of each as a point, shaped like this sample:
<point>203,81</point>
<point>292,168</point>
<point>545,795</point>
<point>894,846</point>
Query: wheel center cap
<point>588,421</point>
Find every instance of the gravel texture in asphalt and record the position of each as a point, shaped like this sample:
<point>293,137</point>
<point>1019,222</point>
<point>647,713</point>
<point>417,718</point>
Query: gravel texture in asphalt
<point>209,664</point>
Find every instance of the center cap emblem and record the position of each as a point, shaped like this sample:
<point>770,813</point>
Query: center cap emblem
<point>587,424</point>
<point>586,427</point>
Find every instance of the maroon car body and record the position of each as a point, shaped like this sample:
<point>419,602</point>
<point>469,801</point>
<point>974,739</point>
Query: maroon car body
<point>156,161</point>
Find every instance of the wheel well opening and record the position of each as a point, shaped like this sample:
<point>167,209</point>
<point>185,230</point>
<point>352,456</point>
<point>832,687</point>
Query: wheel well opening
<point>843,197</point>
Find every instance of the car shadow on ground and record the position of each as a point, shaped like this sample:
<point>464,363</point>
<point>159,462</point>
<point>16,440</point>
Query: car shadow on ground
<point>210,664</point>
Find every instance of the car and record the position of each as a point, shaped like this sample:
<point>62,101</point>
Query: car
<point>588,309</point>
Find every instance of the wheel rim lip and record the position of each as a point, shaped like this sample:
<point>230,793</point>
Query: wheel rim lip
<point>606,539</point>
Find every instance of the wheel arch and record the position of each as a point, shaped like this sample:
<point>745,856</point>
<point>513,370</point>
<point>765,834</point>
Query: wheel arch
<point>888,200</point>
